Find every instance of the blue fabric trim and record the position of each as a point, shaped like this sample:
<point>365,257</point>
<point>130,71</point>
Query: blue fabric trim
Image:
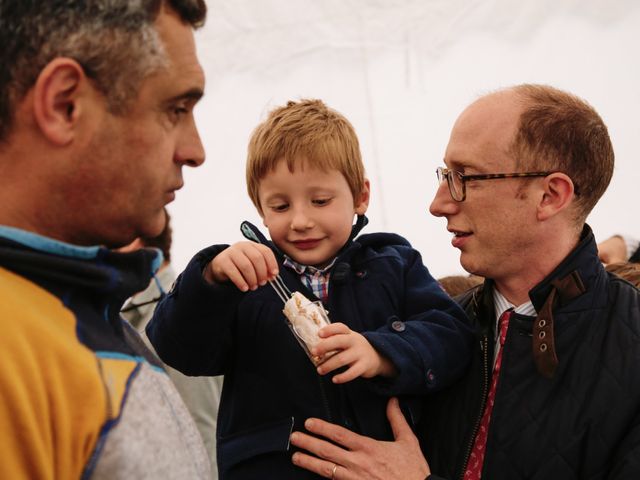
<point>124,356</point>
<point>159,285</point>
<point>46,244</point>
<point>157,262</point>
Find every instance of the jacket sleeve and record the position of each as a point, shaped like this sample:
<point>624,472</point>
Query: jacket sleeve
<point>191,329</point>
<point>431,345</point>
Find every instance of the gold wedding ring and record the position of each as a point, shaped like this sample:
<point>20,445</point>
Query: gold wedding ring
<point>333,472</point>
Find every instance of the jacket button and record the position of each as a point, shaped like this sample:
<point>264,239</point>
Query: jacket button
<point>431,377</point>
<point>398,326</point>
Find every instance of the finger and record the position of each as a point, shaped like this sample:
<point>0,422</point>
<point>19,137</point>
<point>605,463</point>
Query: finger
<point>321,467</point>
<point>399,425</point>
<point>335,361</point>
<point>333,329</point>
<point>319,447</point>
<point>246,268</point>
<point>353,372</point>
<point>340,436</point>
<point>331,344</point>
<point>271,262</point>
<point>257,258</point>
<point>226,268</point>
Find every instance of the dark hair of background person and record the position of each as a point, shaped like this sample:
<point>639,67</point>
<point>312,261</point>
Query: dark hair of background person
<point>162,241</point>
<point>630,271</point>
<point>560,132</point>
<point>457,284</point>
<point>113,40</point>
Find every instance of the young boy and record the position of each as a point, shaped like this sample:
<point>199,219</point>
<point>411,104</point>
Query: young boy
<point>394,329</point>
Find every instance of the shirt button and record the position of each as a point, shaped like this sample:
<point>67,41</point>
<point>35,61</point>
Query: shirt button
<point>398,326</point>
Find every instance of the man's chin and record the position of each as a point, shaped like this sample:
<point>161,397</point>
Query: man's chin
<point>469,265</point>
<point>155,226</point>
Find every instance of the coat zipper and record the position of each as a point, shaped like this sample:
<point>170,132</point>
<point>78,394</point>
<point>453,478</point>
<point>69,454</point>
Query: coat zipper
<point>485,366</point>
<point>325,401</point>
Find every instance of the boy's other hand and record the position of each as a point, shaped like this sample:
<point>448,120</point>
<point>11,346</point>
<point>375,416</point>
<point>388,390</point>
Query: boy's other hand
<point>354,352</point>
<point>248,265</point>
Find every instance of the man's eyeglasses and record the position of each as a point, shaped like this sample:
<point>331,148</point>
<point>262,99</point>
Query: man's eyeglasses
<point>457,181</point>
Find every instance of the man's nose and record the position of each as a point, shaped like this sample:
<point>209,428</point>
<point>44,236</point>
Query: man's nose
<point>442,204</point>
<point>189,150</point>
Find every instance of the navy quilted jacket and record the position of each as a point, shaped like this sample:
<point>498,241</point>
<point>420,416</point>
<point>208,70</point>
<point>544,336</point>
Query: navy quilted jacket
<point>583,422</point>
<point>379,286</point>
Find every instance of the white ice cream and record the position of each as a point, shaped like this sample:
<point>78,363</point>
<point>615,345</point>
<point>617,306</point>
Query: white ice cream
<point>306,318</point>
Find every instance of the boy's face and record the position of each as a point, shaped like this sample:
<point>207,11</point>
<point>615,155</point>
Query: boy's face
<point>309,213</point>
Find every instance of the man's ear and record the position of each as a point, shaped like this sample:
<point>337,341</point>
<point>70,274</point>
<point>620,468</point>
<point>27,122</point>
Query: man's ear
<point>362,201</point>
<point>557,195</point>
<point>56,96</point>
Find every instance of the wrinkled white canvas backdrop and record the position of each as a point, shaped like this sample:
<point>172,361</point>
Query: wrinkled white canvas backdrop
<point>401,71</point>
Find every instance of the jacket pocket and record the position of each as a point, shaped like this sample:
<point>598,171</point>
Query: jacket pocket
<point>239,447</point>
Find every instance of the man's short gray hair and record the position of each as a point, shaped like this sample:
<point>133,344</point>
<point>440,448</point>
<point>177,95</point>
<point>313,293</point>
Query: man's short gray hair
<point>114,41</point>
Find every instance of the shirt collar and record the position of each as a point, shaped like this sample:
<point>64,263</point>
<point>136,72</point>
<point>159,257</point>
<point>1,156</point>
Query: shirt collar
<point>501,304</point>
<point>300,269</point>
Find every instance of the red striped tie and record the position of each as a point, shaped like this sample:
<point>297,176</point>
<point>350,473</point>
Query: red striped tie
<point>476,459</point>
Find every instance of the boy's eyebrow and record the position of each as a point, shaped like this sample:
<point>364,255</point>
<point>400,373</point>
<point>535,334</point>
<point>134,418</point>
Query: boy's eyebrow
<point>274,196</point>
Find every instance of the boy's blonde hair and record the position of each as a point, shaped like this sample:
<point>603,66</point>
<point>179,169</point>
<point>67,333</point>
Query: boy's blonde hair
<point>307,131</point>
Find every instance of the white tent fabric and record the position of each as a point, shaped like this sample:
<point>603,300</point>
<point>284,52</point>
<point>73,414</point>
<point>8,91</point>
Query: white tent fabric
<point>401,71</point>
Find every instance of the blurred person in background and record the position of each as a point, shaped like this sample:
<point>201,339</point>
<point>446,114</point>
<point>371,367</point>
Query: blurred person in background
<point>630,271</point>
<point>201,395</point>
<point>619,248</point>
<point>455,285</point>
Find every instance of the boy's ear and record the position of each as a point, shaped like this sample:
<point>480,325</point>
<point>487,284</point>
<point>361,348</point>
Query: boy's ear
<point>57,94</point>
<point>558,195</point>
<point>362,201</point>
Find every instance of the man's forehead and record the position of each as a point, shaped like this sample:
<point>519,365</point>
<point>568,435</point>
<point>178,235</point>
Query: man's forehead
<point>187,75</point>
<point>498,111</point>
<point>485,130</point>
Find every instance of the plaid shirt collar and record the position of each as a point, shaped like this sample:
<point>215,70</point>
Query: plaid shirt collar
<point>315,279</point>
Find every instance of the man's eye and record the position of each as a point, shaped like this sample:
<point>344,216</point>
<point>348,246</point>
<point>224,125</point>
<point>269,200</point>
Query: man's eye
<point>178,111</point>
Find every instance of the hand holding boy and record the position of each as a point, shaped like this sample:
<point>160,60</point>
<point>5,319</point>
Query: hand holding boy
<point>247,264</point>
<point>354,351</point>
<point>347,455</point>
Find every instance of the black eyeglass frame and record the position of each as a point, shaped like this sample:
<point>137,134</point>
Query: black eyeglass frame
<point>445,173</point>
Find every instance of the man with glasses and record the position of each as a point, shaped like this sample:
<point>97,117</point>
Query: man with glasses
<point>554,388</point>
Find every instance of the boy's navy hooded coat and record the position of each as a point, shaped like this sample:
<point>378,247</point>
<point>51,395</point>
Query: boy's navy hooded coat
<point>378,286</point>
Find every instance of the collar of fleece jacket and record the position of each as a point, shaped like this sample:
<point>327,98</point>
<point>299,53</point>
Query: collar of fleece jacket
<point>95,273</point>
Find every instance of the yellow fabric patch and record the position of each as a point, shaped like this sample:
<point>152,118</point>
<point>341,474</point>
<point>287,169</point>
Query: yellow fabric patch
<point>53,399</point>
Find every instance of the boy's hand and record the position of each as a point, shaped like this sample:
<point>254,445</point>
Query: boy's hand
<point>354,351</point>
<point>247,264</point>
